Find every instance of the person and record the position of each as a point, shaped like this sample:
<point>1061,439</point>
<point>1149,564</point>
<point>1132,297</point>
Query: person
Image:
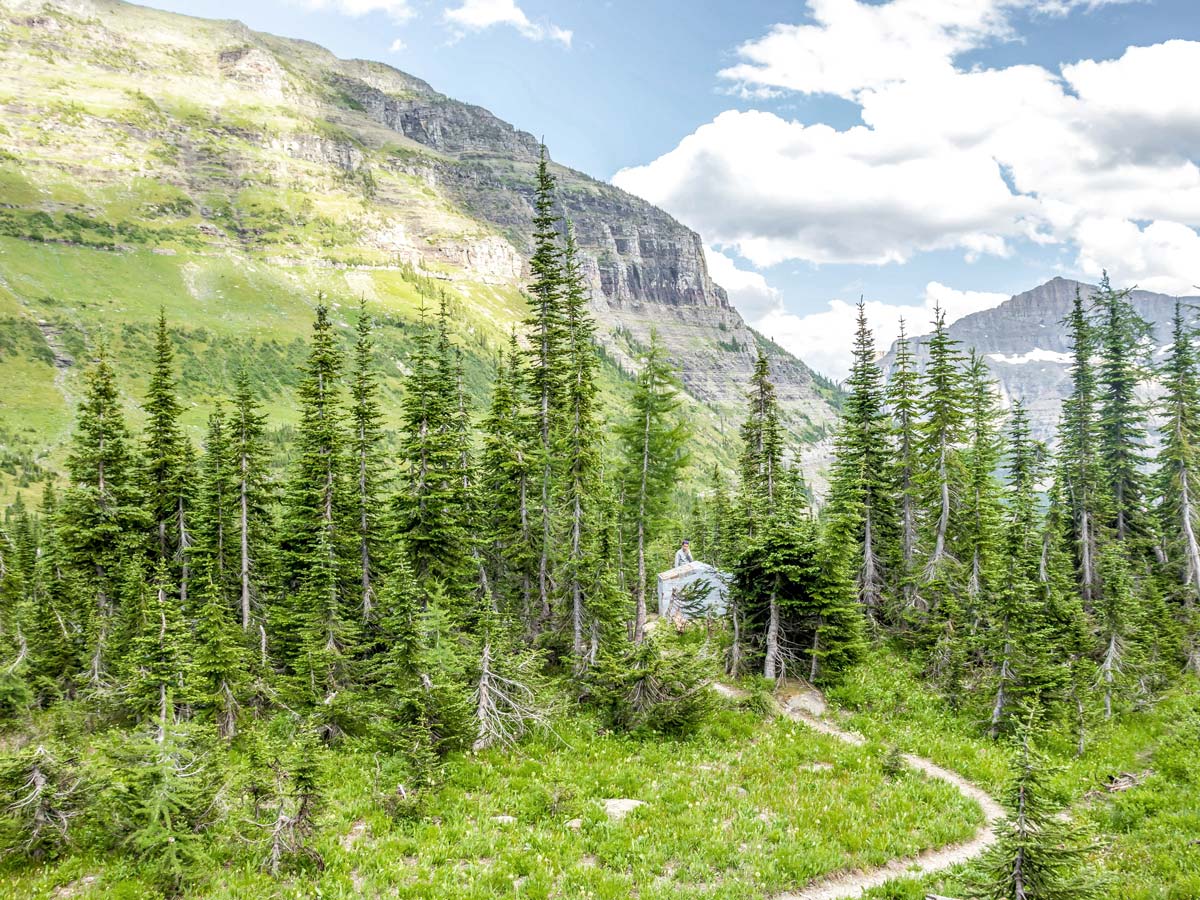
<point>683,555</point>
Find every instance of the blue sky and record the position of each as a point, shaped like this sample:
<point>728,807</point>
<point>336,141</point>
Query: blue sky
<point>983,168</point>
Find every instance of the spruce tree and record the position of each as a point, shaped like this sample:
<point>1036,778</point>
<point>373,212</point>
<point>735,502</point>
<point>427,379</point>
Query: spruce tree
<point>318,627</point>
<point>506,476</point>
<point>580,451</point>
<point>1038,855</point>
<point>1080,469</point>
<point>902,398</point>
<point>654,439</point>
<point>1122,336</point>
<point>860,496</point>
<point>254,495</point>
<point>429,512</point>
<point>220,660</point>
<point>761,466</point>
<point>366,442</point>
<point>940,434</point>
<point>1023,636</point>
<point>55,628</point>
<point>159,674</point>
<point>981,497</point>
<point>546,370</point>
<point>761,461</point>
<point>1178,475</point>
<point>214,549</point>
<point>102,514</point>
<point>168,459</point>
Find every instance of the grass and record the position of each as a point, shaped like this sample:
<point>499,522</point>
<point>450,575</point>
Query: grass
<point>1146,835</point>
<point>739,809</point>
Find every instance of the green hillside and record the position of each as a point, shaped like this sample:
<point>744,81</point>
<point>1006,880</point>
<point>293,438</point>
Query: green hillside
<point>151,160</point>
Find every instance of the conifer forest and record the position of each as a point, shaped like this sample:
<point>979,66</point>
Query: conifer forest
<point>194,636</point>
<point>382,516</point>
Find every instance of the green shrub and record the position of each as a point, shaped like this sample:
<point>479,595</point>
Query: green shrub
<point>648,688</point>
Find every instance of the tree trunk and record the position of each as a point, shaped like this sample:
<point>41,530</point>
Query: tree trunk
<point>244,538</point>
<point>639,620</point>
<point>771,662</point>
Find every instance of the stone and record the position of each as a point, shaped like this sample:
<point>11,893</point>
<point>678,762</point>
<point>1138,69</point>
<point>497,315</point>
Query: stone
<point>617,809</point>
<point>504,820</point>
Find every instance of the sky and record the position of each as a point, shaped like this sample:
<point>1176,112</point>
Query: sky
<point>909,152</point>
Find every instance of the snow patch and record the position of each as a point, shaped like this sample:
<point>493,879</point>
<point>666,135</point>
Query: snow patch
<point>1037,354</point>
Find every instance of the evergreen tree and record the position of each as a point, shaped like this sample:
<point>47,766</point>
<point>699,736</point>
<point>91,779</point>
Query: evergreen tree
<point>547,367</point>
<point>429,505</point>
<point>214,550</point>
<point>318,628</point>
<point>1116,616</point>
<point>902,398</point>
<point>1023,637</point>
<point>1178,476</point>
<point>366,453</point>
<point>654,440</point>
<point>580,452</point>
<point>860,496</point>
<point>254,495</point>
<point>981,499</point>
<point>1038,855</point>
<point>168,459</point>
<point>55,629</point>
<point>788,582</point>
<point>1122,335</point>
<point>467,500</point>
<point>941,432</point>
<point>761,468</point>
<point>506,474</point>
<point>1080,469</point>
<point>220,660</point>
<point>762,448</point>
<point>159,662</point>
<point>101,515</point>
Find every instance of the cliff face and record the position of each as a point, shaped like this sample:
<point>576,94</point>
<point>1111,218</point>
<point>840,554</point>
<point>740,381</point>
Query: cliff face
<point>275,152</point>
<point>1027,346</point>
<point>645,269</point>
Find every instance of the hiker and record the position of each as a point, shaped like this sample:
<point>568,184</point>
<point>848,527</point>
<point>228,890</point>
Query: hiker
<point>683,555</point>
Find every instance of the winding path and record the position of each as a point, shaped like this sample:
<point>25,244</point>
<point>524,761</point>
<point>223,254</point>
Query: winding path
<point>805,705</point>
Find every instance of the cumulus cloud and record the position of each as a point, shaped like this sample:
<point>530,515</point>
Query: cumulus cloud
<point>478,15</point>
<point>397,46</point>
<point>748,291</point>
<point>399,11</point>
<point>823,339</point>
<point>1099,156</point>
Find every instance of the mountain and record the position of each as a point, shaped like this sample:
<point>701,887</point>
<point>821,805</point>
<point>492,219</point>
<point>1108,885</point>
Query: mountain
<point>1027,346</point>
<point>150,159</point>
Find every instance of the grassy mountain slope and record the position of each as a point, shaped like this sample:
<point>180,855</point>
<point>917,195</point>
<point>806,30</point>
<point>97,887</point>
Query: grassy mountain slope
<point>149,159</point>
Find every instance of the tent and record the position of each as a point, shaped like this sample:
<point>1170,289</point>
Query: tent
<point>693,590</point>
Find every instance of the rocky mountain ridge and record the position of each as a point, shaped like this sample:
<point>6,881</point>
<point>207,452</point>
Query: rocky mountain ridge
<point>1027,347</point>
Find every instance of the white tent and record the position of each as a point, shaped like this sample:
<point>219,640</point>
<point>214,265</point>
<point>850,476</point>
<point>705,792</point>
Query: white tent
<point>713,585</point>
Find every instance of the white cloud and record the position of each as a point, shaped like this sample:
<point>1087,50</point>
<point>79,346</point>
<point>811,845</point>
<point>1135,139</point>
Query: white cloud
<point>976,161</point>
<point>823,339</point>
<point>1162,256</point>
<point>397,46</point>
<point>853,46</point>
<point>477,15</point>
<point>399,11</point>
<point>748,291</point>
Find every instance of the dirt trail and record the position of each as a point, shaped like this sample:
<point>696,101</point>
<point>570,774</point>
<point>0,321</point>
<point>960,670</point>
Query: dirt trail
<point>804,704</point>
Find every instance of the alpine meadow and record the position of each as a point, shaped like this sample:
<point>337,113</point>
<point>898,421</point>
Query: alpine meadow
<point>393,511</point>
